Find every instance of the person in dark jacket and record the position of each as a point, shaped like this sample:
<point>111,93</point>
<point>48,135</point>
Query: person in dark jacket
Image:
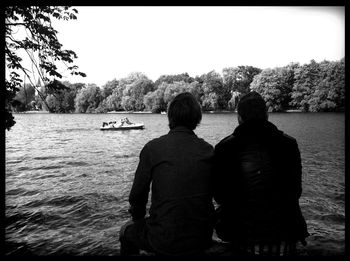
<point>258,183</point>
<point>179,167</point>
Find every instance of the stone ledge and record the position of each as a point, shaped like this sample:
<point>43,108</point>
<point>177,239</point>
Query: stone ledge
<point>218,248</point>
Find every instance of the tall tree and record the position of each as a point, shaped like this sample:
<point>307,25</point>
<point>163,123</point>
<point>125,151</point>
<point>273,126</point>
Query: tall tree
<point>173,89</point>
<point>213,92</point>
<point>29,31</point>
<point>108,88</point>
<point>159,99</point>
<point>24,97</point>
<point>88,99</point>
<point>329,94</point>
<point>135,90</point>
<point>236,82</point>
<point>307,77</point>
<point>154,101</point>
<point>275,86</point>
<point>238,79</point>
<point>173,78</point>
<point>62,100</point>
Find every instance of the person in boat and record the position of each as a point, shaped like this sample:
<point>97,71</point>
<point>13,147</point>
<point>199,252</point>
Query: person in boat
<point>257,185</point>
<point>178,168</point>
<point>120,123</point>
<point>127,121</point>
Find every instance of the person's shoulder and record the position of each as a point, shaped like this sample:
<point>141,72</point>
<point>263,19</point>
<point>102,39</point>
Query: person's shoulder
<point>288,137</point>
<point>225,141</point>
<point>157,141</point>
<point>204,143</point>
<point>287,140</point>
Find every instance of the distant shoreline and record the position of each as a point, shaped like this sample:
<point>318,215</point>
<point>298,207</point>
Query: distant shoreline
<point>32,112</point>
<point>130,112</point>
<point>293,111</point>
<point>149,112</point>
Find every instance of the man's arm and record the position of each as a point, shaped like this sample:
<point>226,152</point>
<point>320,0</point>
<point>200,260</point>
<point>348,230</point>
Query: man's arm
<point>139,192</point>
<point>219,172</point>
<point>293,167</point>
<point>297,170</point>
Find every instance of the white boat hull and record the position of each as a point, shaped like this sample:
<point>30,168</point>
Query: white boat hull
<point>125,127</point>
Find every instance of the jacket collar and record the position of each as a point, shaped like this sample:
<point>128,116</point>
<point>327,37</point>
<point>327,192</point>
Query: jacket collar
<point>181,129</point>
<point>256,127</point>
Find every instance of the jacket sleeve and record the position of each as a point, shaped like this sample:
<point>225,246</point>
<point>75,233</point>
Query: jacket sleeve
<point>297,168</point>
<point>219,172</point>
<point>301,228</point>
<point>141,185</point>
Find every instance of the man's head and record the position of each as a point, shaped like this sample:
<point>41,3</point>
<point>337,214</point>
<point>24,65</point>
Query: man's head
<point>251,107</point>
<point>184,110</point>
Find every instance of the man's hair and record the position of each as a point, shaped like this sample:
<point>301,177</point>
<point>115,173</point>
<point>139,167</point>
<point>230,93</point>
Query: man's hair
<point>252,107</point>
<point>184,110</point>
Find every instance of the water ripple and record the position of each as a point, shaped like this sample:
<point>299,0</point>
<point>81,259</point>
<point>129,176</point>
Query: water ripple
<point>45,157</point>
<point>74,163</point>
<point>43,167</point>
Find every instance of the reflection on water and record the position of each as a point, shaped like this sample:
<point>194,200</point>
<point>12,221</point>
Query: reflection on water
<point>67,182</point>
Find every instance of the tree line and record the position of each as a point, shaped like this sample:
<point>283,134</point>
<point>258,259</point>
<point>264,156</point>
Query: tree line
<point>312,87</point>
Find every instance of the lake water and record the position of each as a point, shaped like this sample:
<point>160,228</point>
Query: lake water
<point>67,183</point>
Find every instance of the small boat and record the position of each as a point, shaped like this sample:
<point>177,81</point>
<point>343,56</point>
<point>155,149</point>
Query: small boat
<point>123,124</point>
<point>135,126</point>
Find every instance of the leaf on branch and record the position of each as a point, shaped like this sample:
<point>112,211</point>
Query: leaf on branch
<point>55,86</point>
<point>45,18</point>
<point>57,15</point>
<point>55,73</point>
<point>14,75</point>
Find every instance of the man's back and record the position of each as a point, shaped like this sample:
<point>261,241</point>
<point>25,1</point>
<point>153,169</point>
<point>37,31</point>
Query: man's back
<point>181,213</point>
<point>258,185</point>
<point>183,164</point>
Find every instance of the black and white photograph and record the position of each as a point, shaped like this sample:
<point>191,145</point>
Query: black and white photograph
<point>174,131</point>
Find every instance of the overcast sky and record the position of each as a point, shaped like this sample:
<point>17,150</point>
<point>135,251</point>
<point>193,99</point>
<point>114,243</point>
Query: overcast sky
<point>113,41</point>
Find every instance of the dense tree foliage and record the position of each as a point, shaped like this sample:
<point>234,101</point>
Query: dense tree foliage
<point>135,91</point>
<point>213,92</point>
<point>329,94</point>
<point>154,101</point>
<point>309,87</point>
<point>159,99</point>
<point>24,99</point>
<point>238,79</point>
<point>313,87</point>
<point>62,100</point>
<point>173,78</point>
<point>275,87</point>
<point>29,32</point>
<point>88,99</point>
<point>236,82</point>
<point>306,78</point>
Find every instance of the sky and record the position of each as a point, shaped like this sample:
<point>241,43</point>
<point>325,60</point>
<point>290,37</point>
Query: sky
<point>113,41</point>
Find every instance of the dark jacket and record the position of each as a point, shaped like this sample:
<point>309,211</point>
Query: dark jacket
<point>179,166</point>
<point>258,185</point>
